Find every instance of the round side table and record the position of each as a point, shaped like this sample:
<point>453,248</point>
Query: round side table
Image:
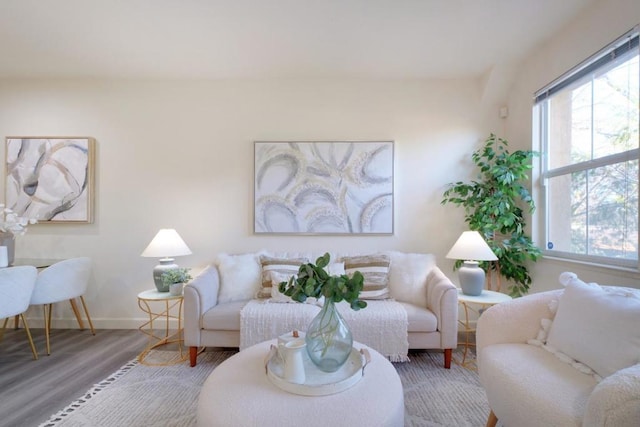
<point>476,304</point>
<point>238,393</point>
<point>161,307</point>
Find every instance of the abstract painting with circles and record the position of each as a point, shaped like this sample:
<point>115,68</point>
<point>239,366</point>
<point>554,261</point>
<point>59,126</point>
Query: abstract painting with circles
<point>326,187</point>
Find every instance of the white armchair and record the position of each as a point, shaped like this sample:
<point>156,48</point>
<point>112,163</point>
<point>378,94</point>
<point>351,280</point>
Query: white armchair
<point>528,385</point>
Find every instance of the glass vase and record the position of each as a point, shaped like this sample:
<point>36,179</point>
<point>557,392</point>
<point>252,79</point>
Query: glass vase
<point>329,340</point>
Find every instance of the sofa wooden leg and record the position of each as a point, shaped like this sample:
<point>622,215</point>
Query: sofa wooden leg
<point>447,357</point>
<point>193,355</point>
<point>492,420</point>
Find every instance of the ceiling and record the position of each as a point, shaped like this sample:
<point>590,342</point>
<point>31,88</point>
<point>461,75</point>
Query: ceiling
<point>272,38</point>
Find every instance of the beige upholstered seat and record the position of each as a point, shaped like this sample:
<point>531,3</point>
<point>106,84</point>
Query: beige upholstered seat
<point>64,280</point>
<point>530,384</point>
<point>16,288</point>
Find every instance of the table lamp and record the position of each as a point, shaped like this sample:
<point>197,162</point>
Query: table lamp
<point>166,244</point>
<point>471,248</point>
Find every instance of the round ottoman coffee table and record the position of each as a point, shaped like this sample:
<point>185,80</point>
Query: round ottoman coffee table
<point>238,393</point>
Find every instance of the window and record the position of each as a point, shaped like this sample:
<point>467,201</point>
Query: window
<point>588,125</point>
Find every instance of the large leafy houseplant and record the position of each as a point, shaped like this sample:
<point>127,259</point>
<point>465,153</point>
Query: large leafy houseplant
<point>495,205</point>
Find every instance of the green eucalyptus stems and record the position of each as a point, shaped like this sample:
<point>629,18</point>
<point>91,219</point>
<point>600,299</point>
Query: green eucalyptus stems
<point>314,281</point>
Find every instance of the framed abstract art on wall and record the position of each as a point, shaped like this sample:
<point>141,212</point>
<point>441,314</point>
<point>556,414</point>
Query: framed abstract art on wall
<point>50,178</point>
<point>335,187</point>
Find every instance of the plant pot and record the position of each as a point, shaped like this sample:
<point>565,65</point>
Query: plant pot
<point>329,340</point>
<point>176,288</point>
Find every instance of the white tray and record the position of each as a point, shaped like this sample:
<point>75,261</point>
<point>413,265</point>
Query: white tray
<point>318,383</point>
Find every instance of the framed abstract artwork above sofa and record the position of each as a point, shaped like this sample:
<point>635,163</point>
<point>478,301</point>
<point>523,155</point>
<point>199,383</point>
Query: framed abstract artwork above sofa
<point>324,187</point>
<point>50,178</point>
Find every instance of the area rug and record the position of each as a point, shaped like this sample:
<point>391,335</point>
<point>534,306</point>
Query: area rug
<point>139,396</point>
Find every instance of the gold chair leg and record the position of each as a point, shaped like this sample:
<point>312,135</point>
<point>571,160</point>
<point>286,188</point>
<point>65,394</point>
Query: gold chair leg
<point>47,324</point>
<point>74,306</point>
<point>16,322</point>
<point>26,328</point>
<point>86,311</point>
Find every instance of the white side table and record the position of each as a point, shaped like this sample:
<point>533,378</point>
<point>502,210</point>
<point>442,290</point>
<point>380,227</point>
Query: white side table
<point>475,304</point>
<point>164,303</point>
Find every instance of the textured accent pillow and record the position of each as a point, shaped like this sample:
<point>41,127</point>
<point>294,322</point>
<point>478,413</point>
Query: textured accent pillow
<point>279,297</point>
<point>276,295</point>
<point>239,276</point>
<point>408,277</point>
<point>284,266</point>
<point>598,326</point>
<point>375,269</point>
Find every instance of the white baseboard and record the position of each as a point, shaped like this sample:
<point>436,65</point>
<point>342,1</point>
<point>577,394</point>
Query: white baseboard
<point>72,323</point>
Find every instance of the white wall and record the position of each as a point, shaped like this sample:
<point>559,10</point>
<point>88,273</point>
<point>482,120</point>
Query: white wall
<point>179,154</point>
<point>598,26</point>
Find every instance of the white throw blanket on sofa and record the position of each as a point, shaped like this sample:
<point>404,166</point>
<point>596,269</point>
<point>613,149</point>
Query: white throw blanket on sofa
<point>382,325</point>
<point>262,320</point>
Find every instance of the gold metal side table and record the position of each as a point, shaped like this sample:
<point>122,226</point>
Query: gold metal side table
<point>167,307</point>
<point>476,304</point>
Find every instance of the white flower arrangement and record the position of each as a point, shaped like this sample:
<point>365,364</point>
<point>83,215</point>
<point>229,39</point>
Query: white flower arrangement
<point>10,222</point>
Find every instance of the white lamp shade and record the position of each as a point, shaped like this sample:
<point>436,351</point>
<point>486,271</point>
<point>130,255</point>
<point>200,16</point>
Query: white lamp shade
<point>471,246</point>
<point>167,243</point>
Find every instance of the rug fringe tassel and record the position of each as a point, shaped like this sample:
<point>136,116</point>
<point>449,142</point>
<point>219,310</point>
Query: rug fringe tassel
<point>58,417</point>
<point>400,358</point>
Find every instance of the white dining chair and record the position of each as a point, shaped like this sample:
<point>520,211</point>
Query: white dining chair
<point>64,280</point>
<point>16,288</point>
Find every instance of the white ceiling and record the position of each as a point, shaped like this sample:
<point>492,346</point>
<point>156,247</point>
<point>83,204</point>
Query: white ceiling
<point>272,38</point>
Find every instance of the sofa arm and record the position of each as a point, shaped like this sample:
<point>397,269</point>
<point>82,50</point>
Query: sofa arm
<point>200,295</point>
<point>514,321</point>
<point>615,401</point>
<point>442,300</point>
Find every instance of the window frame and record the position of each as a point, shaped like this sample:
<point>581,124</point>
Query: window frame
<point>541,133</point>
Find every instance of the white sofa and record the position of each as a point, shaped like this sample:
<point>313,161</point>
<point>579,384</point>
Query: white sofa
<point>212,302</point>
<point>563,358</point>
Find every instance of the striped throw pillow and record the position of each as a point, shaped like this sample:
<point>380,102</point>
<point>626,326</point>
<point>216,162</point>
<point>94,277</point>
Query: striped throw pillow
<point>375,269</point>
<point>284,266</point>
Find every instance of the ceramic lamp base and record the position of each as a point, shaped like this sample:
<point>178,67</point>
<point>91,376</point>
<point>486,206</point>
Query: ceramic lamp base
<point>166,264</point>
<point>471,278</point>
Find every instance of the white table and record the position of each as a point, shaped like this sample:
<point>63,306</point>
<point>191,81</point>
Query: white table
<point>238,393</point>
<point>469,302</point>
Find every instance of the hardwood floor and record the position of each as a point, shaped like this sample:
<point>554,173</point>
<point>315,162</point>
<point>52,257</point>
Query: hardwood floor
<point>33,390</point>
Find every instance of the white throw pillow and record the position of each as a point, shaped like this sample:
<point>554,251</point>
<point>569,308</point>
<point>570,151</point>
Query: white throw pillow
<point>276,295</point>
<point>408,276</point>
<point>598,326</point>
<point>279,297</point>
<point>335,269</point>
<point>239,276</point>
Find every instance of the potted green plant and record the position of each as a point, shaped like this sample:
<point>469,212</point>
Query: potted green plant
<point>174,279</point>
<point>495,205</point>
<point>329,340</point>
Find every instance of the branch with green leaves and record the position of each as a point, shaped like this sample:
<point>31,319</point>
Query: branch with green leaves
<point>313,281</point>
